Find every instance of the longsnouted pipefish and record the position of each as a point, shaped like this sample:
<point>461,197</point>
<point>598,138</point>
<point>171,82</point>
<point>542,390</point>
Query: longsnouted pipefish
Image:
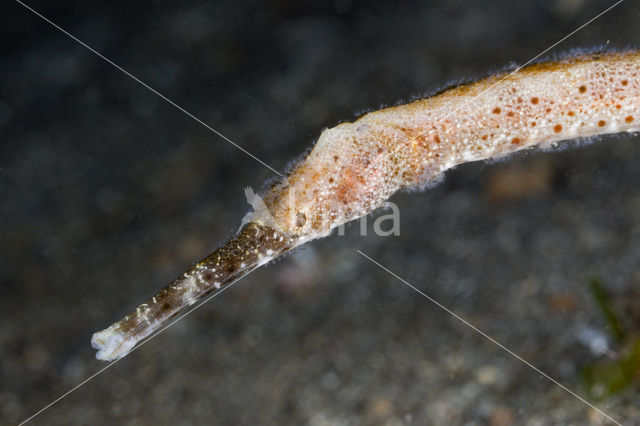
<point>354,167</point>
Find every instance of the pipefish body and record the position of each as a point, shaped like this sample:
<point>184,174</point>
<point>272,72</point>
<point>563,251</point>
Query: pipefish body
<point>356,166</point>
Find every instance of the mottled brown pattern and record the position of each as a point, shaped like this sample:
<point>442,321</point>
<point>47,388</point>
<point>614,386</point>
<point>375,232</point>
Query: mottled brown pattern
<point>253,246</point>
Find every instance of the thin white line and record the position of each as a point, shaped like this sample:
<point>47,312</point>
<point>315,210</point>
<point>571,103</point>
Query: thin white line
<point>69,391</point>
<point>476,97</point>
<point>132,350</point>
<point>536,57</point>
<point>492,340</point>
<point>567,36</point>
<point>147,86</point>
<point>275,171</point>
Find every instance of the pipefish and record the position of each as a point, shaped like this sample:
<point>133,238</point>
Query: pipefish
<point>356,166</point>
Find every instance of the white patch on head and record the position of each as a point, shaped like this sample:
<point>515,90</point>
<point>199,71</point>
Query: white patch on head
<point>260,213</point>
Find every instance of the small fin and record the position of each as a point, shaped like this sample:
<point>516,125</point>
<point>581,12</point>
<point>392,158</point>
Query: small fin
<point>260,213</point>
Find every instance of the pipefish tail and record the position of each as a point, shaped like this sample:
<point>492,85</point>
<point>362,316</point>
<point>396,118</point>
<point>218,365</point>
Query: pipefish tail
<point>355,167</point>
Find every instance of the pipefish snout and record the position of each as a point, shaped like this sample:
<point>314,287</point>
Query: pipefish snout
<point>253,246</point>
<point>355,167</point>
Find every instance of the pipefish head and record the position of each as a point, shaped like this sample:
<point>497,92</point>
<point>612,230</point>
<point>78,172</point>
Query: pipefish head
<point>349,173</point>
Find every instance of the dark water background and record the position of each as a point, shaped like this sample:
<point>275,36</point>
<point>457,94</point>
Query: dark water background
<point>108,193</point>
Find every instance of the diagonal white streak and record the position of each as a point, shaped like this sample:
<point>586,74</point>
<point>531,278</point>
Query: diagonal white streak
<point>561,40</point>
<point>68,392</point>
<point>491,339</point>
<point>73,389</point>
<point>536,57</point>
<point>477,97</point>
<point>127,73</point>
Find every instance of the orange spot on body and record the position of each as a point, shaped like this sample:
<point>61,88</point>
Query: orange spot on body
<point>515,141</point>
<point>557,128</point>
<point>496,110</point>
<point>582,88</point>
<point>629,119</point>
<point>535,100</point>
<point>347,187</point>
<point>601,123</point>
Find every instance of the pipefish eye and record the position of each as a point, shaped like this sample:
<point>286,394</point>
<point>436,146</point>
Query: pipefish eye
<point>301,219</point>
